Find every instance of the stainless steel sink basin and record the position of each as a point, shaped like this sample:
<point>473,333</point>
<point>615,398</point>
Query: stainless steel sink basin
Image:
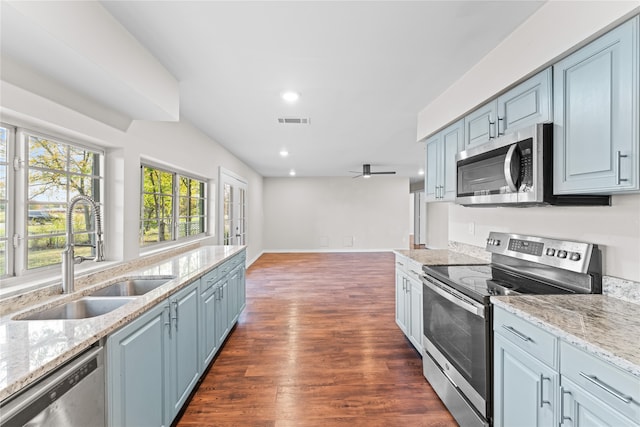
<point>79,309</point>
<point>132,287</point>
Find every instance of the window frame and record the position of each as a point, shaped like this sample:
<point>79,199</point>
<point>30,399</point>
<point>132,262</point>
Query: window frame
<point>18,204</point>
<point>175,208</point>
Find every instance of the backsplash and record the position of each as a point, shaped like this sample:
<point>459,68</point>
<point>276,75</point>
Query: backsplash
<point>471,250</point>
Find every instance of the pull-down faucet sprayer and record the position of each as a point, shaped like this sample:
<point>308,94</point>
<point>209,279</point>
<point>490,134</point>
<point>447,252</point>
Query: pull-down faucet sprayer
<point>68,254</point>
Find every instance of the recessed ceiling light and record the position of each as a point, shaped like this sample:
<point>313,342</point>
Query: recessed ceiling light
<point>290,96</point>
<point>284,152</point>
<point>421,172</point>
<point>292,172</point>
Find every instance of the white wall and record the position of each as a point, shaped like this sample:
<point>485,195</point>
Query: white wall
<point>437,225</point>
<point>310,214</point>
<point>176,144</point>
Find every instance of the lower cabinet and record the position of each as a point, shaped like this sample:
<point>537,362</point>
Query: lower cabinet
<point>524,386</point>
<point>154,362</point>
<point>409,300</point>
<point>542,380</point>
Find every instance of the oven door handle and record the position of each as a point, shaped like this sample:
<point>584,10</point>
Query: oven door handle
<point>512,167</point>
<point>454,298</point>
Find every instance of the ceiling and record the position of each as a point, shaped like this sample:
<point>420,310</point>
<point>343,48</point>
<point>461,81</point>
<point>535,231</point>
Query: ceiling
<point>363,71</point>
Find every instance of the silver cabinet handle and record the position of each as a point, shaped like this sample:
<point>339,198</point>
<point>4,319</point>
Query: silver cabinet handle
<point>168,322</point>
<point>562,415</point>
<point>619,178</point>
<point>517,333</point>
<point>500,119</point>
<point>175,309</point>
<point>542,380</point>
<point>415,272</point>
<point>490,124</point>
<point>606,387</point>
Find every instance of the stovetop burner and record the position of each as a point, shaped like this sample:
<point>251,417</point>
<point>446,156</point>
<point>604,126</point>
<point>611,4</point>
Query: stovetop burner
<point>483,281</point>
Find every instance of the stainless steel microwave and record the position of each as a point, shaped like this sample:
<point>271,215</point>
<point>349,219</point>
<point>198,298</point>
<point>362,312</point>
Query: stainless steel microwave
<point>514,170</point>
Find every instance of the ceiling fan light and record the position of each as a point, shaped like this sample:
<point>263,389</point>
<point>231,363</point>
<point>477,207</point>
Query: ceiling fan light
<point>290,96</point>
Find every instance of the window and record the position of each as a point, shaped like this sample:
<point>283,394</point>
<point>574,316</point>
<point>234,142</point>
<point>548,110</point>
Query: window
<point>173,206</point>
<point>39,175</point>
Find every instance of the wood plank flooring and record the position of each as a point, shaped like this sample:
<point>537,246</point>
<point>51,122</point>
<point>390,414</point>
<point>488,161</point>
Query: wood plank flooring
<point>317,345</point>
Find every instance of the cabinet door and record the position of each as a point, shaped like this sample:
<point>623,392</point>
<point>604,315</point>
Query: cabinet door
<point>526,104</point>
<point>480,125</point>
<point>524,388</point>
<point>580,408</point>
<point>184,360</point>
<point>222,311</point>
<point>596,115</point>
<point>452,142</point>
<point>401,305</point>
<point>234,284</point>
<point>242,288</point>
<point>136,366</point>
<point>415,322</point>
<point>208,342</point>
<point>431,173</point>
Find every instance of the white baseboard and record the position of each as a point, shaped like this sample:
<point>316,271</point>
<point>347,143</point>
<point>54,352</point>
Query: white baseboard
<point>325,250</point>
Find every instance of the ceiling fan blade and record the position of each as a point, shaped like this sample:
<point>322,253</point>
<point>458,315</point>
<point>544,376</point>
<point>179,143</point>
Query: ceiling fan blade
<point>357,176</point>
<point>383,173</point>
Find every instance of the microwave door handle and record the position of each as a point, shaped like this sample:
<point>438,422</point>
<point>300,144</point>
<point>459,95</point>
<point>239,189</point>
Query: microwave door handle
<point>512,167</point>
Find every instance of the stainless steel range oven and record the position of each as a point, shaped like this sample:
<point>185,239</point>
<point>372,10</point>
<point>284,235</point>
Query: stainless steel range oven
<point>457,311</point>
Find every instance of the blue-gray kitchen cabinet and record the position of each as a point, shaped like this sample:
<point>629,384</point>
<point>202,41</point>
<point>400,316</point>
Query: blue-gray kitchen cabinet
<point>153,362</point>
<point>528,103</point>
<point>137,371</point>
<point>208,340</point>
<point>441,150</point>
<point>525,373</point>
<point>597,115</point>
<point>184,357</point>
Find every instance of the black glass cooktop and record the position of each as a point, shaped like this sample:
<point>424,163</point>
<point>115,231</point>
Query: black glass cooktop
<point>482,281</point>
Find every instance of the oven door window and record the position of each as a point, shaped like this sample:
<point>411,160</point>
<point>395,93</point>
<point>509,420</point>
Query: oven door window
<point>461,336</point>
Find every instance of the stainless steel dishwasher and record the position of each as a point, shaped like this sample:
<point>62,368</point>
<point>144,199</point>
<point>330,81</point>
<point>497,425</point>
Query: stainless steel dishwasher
<point>72,395</point>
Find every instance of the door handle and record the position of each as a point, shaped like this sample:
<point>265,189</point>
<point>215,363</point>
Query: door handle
<point>500,119</point>
<point>175,309</point>
<point>512,167</point>
<point>542,380</point>
<point>490,124</point>
<point>562,416</point>
<point>619,178</point>
<point>167,309</point>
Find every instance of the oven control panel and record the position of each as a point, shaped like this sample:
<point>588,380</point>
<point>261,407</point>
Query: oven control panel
<point>574,256</point>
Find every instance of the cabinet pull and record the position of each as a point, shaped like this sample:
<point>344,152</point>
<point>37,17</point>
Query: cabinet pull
<point>562,416</point>
<point>168,323</point>
<point>619,178</point>
<point>520,335</point>
<point>542,380</point>
<point>490,124</point>
<point>606,387</point>
<point>175,309</point>
<point>500,119</point>
<point>415,272</point>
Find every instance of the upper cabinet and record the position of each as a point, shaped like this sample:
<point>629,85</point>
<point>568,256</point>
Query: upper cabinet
<point>440,176</point>
<point>524,105</point>
<point>596,115</point>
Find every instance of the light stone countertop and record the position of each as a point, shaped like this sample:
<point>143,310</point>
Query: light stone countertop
<point>31,349</point>
<point>439,257</point>
<point>606,327</point>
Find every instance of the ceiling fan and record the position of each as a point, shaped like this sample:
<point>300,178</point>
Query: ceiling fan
<point>366,172</point>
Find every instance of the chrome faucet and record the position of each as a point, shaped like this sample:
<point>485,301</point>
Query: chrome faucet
<point>68,254</point>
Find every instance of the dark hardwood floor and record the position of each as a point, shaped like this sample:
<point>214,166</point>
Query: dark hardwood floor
<point>317,345</point>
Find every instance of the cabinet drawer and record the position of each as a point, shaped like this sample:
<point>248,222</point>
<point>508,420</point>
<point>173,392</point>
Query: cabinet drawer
<point>537,342</point>
<point>618,389</point>
<point>402,262</point>
<point>209,279</point>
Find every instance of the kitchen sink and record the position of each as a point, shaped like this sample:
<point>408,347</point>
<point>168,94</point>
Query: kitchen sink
<point>79,309</point>
<point>132,287</point>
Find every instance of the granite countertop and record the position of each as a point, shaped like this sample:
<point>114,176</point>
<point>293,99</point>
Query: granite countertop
<point>439,257</point>
<point>604,326</point>
<point>30,349</point>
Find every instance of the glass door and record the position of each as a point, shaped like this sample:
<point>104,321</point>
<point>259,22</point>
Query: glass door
<point>233,197</point>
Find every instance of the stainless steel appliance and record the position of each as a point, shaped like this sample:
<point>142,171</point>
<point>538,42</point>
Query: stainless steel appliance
<point>71,396</point>
<point>457,311</point>
<point>514,169</point>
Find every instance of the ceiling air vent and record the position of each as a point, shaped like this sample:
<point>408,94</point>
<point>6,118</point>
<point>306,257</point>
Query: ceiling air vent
<point>294,120</point>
